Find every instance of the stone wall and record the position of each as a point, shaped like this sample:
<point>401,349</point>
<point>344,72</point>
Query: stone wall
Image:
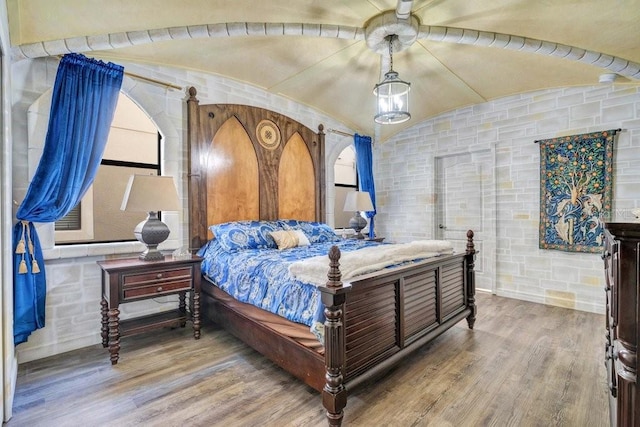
<point>509,127</point>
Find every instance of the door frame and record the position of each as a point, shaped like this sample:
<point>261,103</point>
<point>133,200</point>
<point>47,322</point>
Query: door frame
<point>489,210</point>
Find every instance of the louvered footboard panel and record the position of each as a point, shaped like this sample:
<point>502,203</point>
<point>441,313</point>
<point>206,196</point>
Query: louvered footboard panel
<point>384,315</point>
<point>453,289</point>
<point>371,325</point>
<point>420,302</point>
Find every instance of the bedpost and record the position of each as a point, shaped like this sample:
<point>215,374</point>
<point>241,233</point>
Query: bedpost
<point>197,206</point>
<point>471,280</point>
<point>321,210</point>
<point>334,395</point>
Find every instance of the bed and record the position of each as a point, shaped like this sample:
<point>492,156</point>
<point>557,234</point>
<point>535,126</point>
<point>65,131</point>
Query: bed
<point>257,168</point>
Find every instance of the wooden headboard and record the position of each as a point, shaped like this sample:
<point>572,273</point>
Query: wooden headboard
<point>248,163</point>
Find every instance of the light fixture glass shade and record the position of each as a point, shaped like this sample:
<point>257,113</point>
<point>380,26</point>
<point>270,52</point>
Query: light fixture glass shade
<point>358,201</point>
<point>151,193</point>
<point>392,95</point>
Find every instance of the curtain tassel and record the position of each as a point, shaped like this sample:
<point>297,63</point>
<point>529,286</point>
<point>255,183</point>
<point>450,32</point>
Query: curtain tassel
<point>35,268</point>
<point>22,269</point>
<point>20,247</point>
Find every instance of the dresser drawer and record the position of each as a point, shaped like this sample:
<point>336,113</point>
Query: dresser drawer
<point>156,283</point>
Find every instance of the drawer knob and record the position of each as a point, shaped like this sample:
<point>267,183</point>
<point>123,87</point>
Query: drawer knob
<point>159,289</point>
<point>159,276</point>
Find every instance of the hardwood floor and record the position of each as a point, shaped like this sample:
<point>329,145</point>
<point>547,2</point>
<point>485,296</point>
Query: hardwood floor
<point>524,364</point>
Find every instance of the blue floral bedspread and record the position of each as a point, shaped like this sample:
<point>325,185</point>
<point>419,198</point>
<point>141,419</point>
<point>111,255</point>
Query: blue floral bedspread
<point>261,276</point>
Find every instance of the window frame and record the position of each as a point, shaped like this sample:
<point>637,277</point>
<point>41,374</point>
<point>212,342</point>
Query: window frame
<point>355,186</point>
<point>85,234</point>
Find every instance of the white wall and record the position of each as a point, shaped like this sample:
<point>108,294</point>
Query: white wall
<point>404,182</point>
<point>8,360</point>
<point>73,277</point>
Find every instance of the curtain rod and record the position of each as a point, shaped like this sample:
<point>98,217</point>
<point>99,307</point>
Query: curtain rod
<point>147,79</point>
<point>339,132</point>
<point>614,131</point>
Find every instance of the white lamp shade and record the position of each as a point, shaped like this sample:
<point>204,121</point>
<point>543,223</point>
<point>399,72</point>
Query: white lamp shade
<point>147,193</point>
<point>358,201</point>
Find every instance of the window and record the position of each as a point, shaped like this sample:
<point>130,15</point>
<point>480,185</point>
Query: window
<point>133,147</point>
<point>346,179</point>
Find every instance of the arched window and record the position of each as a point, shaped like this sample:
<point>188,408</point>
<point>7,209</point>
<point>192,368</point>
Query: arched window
<point>133,147</point>
<point>346,179</point>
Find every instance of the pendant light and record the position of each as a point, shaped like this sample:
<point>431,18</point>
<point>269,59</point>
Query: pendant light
<point>392,95</point>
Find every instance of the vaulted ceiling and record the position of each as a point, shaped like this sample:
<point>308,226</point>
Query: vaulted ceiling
<point>318,53</point>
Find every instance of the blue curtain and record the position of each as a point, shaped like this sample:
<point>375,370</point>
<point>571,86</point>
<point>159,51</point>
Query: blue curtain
<point>82,106</point>
<point>364,164</point>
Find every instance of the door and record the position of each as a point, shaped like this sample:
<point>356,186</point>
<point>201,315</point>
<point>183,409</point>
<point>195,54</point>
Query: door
<point>465,200</point>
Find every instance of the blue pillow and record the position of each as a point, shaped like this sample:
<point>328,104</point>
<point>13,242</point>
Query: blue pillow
<point>237,235</point>
<point>316,232</point>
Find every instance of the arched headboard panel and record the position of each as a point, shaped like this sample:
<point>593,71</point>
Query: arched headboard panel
<point>231,195</point>
<point>296,178</point>
<point>250,163</point>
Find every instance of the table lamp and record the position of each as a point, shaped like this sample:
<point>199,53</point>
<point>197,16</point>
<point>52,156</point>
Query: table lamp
<point>151,193</point>
<point>358,201</point>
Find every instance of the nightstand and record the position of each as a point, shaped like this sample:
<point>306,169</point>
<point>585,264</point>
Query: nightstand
<point>131,279</point>
<point>375,239</point>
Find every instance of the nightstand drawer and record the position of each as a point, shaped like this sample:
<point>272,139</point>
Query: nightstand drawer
<point>153,277</point>
<point>157,288</point>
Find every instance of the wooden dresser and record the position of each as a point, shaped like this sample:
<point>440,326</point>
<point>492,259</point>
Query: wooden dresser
<point>621,253</point>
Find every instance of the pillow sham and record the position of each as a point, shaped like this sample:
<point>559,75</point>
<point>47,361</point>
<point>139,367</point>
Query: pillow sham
<point>302,238</point>
<point>285,239</point>
<point>316,232</point>
<point>238,235</point>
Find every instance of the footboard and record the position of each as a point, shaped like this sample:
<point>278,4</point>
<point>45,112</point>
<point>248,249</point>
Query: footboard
<point>378,319</point>
<point>385,314</point>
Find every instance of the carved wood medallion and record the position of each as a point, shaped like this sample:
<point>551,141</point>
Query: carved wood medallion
<point>268,134</point>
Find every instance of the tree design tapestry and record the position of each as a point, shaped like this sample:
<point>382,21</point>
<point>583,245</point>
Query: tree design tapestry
<point>575,190</point>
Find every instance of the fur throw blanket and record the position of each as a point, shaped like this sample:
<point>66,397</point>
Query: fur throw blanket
<point>366,260</point>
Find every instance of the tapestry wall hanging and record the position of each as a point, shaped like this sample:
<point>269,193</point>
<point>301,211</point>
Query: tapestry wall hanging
<point>575,190</point>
